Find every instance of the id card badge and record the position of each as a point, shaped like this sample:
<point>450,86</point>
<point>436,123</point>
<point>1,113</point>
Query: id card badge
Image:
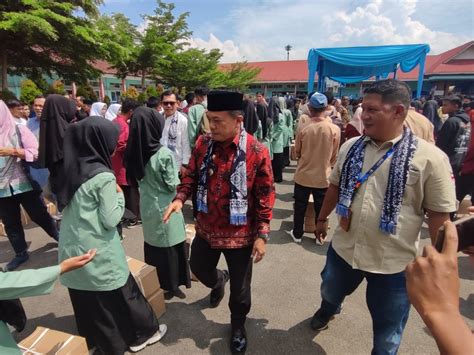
<point>345,222</point>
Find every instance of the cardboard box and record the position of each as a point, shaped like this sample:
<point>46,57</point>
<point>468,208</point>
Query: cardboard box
<point>157,302</point>
<point>145,275</point>
<point>25,219</point>
<point>463,206</point>
<point>2,230</point>
<point>48,341</point>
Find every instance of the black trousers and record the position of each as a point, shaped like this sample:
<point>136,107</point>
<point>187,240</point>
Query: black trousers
<point>302,194</point>
<point>204,265</point>
<point>286,156</point>
<point>10,214</point>
<point>464,187</point>
<point>132,199</point>
<point>114,320</point>
<point>278,163</point>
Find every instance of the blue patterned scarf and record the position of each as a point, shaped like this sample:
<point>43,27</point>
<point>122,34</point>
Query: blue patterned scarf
<point>398,175</point>
<point>238,182</point>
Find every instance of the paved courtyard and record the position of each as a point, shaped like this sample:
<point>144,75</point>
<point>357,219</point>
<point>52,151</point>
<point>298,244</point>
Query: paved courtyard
<point>285,291</point>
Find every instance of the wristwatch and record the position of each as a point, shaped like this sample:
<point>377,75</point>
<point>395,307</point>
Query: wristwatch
<point>265,237</point>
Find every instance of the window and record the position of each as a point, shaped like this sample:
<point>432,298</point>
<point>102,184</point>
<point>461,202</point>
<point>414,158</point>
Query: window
<point>115,96</point>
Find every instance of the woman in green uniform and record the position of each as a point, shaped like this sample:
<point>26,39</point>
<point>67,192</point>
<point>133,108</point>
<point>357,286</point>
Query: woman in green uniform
<point>110,311</point>
<point>277,135</point>
<point>28,283</point>
<point>154,168</point>
<point>288,131</point>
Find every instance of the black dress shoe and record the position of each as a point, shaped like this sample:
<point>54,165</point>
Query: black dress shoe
<point>217,294</point>
<point>238,341</point>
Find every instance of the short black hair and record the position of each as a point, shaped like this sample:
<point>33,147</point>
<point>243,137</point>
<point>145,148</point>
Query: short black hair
<point>471,104</point>
<point>189,97</point>
<point>168,93</point>
<point>14,103</point>
<point>330,96</point>
<point>201,91</point>
<point>88,102</point>
<point>129,105</point>
<point>153,102</point>
<point>39,97</point>
<point>454,99</point>
<point>179,98</point>
<point>391,91</point>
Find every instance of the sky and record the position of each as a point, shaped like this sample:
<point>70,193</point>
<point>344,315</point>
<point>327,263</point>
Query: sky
<point>259,30</point>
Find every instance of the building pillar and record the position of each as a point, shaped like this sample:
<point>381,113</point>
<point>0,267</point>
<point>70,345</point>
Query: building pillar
<point>101,89</point>
<point>74,89</point>
<point>124,85</point>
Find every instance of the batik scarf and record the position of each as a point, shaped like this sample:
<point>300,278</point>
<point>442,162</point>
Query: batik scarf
<point>173,132</point>
<point>238,182</point>
<point>398,175</point>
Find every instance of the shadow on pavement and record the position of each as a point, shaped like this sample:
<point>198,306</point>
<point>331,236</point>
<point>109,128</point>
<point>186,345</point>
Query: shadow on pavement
<point>186,321</point>
<point>466,268</point>
<point>288,197</point>
<point>466,306</point>
<point>261,340</point>
<point>64,324</point>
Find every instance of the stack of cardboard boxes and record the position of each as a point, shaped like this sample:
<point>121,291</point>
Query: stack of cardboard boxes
<point>48,341</point>
<point>147,279</point>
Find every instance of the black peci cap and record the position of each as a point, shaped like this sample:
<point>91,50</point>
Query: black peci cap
<point>220,100</point>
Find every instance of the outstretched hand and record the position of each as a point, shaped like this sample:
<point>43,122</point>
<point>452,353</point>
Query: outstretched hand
<point>174,207</point>
<point>77,262</point>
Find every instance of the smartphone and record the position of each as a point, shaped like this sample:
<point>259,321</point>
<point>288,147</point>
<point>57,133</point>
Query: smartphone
<point>465,228</point>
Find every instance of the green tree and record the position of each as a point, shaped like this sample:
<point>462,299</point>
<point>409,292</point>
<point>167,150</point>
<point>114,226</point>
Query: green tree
<point>131,93</point>
<point>29,91</point>
<point>237,76</point>
<point>56,87</point>
<point>191,68</point>
<point>49,36</point>
<point>119,39</point>
<point>164,35</point>
<point>151,91</point>
<point>87,92</point>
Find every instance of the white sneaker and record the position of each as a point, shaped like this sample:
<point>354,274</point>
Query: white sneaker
<point>296,240</point>
<point>154,339</point>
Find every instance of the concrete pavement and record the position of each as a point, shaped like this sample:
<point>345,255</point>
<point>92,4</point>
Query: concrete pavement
<point>285,291</point>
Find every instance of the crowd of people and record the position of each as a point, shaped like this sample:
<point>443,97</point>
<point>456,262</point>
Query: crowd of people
<point>384,163</point>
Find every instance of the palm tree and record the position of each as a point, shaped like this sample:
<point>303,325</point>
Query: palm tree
<point>288,48</point>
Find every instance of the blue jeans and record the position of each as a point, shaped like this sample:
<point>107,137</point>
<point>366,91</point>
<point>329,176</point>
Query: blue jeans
<point>386,298</point>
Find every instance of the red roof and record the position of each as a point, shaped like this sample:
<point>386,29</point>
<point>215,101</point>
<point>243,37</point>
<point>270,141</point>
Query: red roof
<point>297,70</point>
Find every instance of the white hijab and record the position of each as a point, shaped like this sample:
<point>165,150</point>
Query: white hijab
<point>356,121</point>
<point>97,108</point>
<point>112,111</point>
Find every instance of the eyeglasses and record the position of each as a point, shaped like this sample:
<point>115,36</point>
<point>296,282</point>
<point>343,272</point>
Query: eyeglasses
<point>168,103</point>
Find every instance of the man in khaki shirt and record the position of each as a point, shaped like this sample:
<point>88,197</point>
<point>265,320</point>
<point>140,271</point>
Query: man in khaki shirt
<point>316,149</point>
<point>369,242</point>
<point>420,125</point>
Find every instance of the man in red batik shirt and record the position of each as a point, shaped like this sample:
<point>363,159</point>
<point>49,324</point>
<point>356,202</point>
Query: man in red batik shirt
<point>231,173</point>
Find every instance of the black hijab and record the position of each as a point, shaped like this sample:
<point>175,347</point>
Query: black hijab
<point>58,111</point>
<point>250,117</point>
<point>146,127</point>
<point>274,109</point>
<point>430,111</point>
<point>88,146</point>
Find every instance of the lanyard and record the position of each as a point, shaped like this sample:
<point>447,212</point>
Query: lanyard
<point>377,165</point>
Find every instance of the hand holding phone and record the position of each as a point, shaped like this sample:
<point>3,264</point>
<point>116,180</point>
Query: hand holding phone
<point>465,230</point>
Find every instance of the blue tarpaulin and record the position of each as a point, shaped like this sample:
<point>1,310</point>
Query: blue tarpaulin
<point>355,64</point>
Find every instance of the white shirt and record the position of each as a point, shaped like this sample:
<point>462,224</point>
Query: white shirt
<point>20,121</point>
<point>182,151</point>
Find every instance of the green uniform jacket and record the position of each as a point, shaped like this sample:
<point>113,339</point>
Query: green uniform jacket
<point>278,132</point>
<point>157,191</point>
<point>289,135</point>
<point>27,283</point>
<point>267,140</point>
<point>194,122</point>
<point>90,221</point>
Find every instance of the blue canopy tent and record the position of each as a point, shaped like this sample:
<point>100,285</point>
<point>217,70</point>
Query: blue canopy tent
<point>355,64</point>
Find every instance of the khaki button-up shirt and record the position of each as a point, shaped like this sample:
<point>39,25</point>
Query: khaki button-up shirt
<point>430,185</point>
<point>316,148</point>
